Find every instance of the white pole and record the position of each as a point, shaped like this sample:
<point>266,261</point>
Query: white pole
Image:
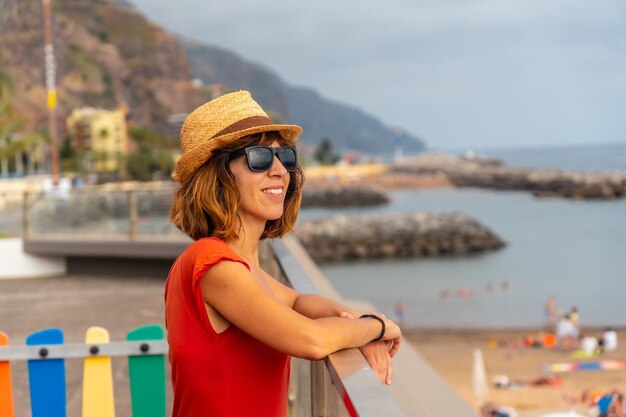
<point>479,378</point>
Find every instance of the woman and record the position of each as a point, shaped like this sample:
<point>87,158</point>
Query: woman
<point>231,326</point>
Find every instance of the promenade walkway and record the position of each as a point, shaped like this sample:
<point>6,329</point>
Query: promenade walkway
<point>74,303</point>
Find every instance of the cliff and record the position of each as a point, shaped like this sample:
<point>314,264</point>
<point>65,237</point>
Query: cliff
<point>107,56</point>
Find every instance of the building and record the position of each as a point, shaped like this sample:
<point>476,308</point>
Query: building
<point>101,137</point>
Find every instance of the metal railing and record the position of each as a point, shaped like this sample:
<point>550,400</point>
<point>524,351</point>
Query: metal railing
<point>127,213</point>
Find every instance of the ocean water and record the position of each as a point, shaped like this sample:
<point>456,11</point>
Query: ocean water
<point>581,158</point>
<point>572,250</point>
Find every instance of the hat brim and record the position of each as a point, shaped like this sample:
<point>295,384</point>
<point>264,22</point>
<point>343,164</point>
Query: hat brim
<point>196,157</point>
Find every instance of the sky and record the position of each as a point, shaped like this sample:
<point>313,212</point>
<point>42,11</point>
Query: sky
<point>457,73</point>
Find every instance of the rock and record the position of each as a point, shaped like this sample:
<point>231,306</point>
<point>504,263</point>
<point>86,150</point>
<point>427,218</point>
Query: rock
<point>342,238</point>
<point>542,182</point>
<point>344,196</point>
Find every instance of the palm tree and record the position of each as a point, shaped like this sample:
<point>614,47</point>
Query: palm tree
<point>14,140</point>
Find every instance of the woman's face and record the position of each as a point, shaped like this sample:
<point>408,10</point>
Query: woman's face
<point>262,193</point>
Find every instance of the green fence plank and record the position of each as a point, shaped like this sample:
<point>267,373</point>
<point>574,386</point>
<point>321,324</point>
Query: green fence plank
<point>147,375</point>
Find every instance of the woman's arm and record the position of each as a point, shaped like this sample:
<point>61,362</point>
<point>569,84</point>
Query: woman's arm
<point>377,354</point>
<point>232,290</point>
<point>317,306</point>
<point>309,305</point>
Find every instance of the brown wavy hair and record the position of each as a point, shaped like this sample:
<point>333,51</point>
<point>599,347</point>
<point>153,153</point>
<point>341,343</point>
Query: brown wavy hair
<point>207,203</point>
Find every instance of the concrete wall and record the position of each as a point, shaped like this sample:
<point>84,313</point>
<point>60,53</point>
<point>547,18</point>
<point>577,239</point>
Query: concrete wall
<point>15,263</point>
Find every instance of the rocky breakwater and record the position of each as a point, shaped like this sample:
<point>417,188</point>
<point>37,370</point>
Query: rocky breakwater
<point>489,173</point>
<point>343,196</point>
<point>345,238</point>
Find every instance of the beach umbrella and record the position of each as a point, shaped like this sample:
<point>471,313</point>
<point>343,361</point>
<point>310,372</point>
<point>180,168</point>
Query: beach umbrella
<point>479,377</point>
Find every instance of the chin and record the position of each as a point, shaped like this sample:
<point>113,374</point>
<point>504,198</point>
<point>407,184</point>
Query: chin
<point>275,217</point>
<point>275,214</point>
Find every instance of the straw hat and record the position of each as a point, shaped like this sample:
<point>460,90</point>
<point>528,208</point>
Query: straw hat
<point>219,123</point>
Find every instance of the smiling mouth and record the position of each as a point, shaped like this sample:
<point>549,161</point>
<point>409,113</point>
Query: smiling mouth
<point>273,191</point>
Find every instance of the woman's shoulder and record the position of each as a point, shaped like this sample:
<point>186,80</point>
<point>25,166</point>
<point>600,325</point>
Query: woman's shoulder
<point>212,244</point>
<point>212,249</point>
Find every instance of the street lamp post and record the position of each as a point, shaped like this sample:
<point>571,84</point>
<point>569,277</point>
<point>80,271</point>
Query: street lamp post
<point>52,94</point>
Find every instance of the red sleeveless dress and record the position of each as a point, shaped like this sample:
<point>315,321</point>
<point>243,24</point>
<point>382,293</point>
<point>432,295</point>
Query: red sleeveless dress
<point>217,374</point>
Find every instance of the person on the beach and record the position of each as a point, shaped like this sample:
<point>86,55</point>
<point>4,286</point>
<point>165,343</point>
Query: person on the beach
<point>573,316</point>
<point>609,340</point>
<point>551,312</point>
<point>231,326</point>
<point>399,312</point>
<point>616,409</point>
<point>566,333</point>
<point>604,403</point>
<point>589,345</point>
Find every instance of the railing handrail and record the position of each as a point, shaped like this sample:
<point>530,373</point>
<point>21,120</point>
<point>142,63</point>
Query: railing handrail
<point>128,191</point>
<point>356,383</point>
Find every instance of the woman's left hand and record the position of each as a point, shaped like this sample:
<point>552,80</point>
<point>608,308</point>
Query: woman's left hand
<point>377,356</point>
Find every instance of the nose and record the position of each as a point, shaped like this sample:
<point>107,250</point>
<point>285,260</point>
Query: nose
<point>277,169</point>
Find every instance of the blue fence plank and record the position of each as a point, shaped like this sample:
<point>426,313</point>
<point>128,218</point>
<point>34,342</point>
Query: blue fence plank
<point>47,377</point>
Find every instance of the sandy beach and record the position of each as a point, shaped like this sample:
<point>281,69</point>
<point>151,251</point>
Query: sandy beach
<point>451,354</point>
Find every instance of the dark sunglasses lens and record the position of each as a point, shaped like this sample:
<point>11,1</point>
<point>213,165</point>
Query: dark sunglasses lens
<point>287,157</point>
<point>260,159</point>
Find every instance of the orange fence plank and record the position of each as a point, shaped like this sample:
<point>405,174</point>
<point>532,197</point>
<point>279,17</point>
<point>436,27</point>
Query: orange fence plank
<point>6,387</point>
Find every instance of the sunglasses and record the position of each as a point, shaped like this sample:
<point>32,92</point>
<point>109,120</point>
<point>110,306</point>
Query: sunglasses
<point>261,158</point>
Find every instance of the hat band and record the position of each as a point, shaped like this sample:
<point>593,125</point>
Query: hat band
<point>247,123</point>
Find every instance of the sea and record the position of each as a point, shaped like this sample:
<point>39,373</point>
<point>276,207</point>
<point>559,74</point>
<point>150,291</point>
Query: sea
<point>574,251</point>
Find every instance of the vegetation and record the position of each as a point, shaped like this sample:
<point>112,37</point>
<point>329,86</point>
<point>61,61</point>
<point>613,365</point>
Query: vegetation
<point>152,157</point>
<point>15,139</point>
<point>324,153</point>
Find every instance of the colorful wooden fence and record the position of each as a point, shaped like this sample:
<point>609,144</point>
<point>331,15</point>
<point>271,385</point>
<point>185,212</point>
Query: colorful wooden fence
<point>46,352</point>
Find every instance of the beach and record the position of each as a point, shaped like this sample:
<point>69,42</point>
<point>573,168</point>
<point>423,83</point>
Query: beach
<point>450,353</point>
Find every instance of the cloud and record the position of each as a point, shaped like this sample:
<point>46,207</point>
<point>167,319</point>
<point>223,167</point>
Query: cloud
<point>457,73</point>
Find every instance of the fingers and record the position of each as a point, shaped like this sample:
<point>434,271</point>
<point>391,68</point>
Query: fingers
<point>395,347</point>
<point>379,359</point>
<point>388,364</point>
<point>381,371</point>
<point>379,365</point>
<point>389,368</point>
